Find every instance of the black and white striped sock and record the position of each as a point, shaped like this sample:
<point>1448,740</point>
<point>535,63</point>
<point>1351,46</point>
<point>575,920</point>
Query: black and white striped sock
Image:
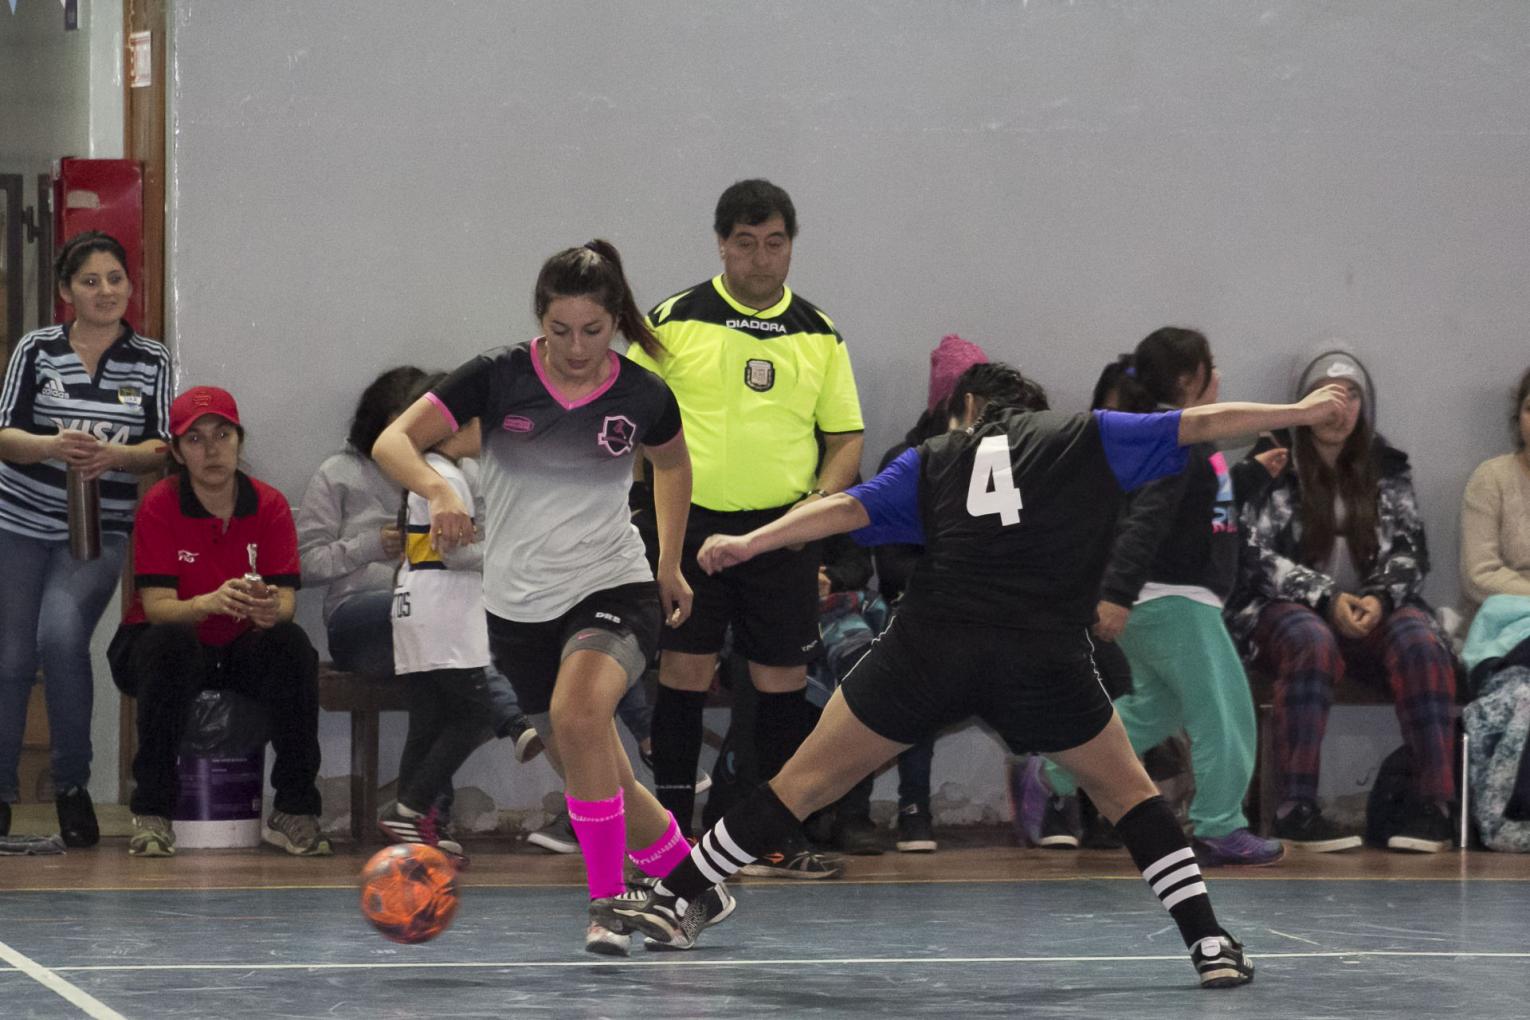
<point>1162,853</point>
<point>755,825</point>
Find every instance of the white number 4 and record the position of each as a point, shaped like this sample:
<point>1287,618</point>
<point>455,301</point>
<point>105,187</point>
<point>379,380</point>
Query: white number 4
<point>992,489</point>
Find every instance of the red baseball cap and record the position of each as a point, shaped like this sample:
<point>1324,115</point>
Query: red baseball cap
<point>196,402</point>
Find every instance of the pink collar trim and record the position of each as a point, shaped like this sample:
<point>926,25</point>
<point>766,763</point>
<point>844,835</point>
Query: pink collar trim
<point>567,404</point>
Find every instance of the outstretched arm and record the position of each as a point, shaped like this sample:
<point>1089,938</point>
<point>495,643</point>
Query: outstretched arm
<point>810,521</point>
<point>1219,421</point>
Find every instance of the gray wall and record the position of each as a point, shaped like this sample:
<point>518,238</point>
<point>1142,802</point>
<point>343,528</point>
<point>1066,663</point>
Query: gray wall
<point>360,184</point>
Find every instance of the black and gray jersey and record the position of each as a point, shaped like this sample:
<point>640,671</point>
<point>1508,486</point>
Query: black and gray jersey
<point>555,476</point>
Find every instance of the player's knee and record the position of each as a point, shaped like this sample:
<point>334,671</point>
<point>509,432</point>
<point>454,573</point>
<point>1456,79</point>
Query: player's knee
<point>686,672</point>
<point>578,721</point>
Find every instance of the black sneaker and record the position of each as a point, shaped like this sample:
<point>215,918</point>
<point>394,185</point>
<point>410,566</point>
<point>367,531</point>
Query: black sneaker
<point>1305,828</point>
<point>556,836</point>
<point>1425,830</point>
<point>915,833</point>
<point>794,864</point>
<point>76,818</point>
<point>650,911</point>
<point>1099,834</point>
<point>1060,826</point>
<point>856,835</point>
<point>1220,962</point>
<point>714,906</point>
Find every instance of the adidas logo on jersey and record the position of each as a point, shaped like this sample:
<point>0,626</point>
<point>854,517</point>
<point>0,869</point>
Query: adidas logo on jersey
<point>53,386</point>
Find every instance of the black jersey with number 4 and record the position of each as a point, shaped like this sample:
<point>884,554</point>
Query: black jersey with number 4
<point>1016,515</point>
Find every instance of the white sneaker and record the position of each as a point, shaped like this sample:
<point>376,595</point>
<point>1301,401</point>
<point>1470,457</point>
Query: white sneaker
<point>602,941</point>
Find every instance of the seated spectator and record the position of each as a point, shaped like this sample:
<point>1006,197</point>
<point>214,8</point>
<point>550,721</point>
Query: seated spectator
<point>350,544</point>
<point>87,397</point>
<point>1329,580</point>
<point>348,535</point>
<point>1495,517</point>
<point>216,564</point>
<point>1173,561</point>
<point>1495,577</point>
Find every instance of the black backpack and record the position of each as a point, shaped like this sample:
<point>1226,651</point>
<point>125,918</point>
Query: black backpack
<point>1387,806</point>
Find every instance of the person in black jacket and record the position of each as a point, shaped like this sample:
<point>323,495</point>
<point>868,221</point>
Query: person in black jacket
<point>1173,562</point>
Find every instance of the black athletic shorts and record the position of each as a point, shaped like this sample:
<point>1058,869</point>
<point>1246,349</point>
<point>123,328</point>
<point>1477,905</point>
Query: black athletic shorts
<point>529,654</point>
<point>1037,689</point>
<point>771,601</point>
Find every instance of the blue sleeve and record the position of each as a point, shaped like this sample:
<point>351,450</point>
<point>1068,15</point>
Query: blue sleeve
<point>891,500</point>
<point>1141,448</point>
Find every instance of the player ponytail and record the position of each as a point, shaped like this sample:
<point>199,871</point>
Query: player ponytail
<point>996,386</point>
<point>594,270</point>
<point>1163,362</point>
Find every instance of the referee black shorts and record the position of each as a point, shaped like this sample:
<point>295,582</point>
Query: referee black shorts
<point>1037,689</point>
<point>771,602</point>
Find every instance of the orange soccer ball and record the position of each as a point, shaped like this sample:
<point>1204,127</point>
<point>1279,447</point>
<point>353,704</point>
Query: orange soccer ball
<point>409,892</point>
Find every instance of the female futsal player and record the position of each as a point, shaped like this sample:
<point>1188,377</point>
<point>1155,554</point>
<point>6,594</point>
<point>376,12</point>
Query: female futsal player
<point>574,611</point>
<point>1015,510</point>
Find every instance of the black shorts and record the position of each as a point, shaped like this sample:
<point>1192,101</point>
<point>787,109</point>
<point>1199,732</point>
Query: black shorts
<point>529,654</point>
<point>771,602</point>
<point>1037,689</point>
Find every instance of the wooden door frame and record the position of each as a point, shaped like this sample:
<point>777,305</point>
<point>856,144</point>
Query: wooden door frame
<point>145,113</point>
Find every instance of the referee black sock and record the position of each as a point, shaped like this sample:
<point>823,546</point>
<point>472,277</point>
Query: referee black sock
<point>755,825</point>
<point>677,750</point>
<point>781,723</point>
<point>1162,853</point>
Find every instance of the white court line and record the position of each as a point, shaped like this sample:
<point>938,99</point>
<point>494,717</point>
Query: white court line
<point>666,960</point>
<point>88,1004</point>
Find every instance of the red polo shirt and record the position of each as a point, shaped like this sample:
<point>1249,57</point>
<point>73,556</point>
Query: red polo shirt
<point>178,544</point>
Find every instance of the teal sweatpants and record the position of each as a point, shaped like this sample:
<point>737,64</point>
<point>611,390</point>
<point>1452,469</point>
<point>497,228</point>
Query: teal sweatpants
<point>1187,674</point>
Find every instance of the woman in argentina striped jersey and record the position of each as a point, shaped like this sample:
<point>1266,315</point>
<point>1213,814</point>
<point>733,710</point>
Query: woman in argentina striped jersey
<point>89,396</point>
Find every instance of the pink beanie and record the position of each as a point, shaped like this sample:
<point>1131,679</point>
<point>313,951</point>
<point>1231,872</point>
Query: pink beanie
<point>950,358</point>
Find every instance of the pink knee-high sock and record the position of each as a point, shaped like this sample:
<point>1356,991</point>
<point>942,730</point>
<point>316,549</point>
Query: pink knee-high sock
<point>601,827</point>
<point>660,859</point>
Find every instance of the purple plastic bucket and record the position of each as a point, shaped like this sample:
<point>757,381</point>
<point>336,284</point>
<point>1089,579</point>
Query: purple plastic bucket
<point>220,800</point>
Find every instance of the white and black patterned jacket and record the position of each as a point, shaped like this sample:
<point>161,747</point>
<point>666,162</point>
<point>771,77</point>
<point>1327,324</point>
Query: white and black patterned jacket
<point>1268,569</point>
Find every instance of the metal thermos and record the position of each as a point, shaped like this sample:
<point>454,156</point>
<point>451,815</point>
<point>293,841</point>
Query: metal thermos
<point>84,516</point>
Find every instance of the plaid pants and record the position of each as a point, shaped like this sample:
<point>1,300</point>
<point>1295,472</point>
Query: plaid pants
<point>1307,657</point>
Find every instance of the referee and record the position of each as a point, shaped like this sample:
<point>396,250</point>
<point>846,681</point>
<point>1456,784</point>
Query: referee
<point>761,375</point>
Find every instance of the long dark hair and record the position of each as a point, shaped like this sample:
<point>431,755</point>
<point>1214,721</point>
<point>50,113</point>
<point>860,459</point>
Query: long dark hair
<point>595,270</point>
<point>1151,374</point>
<point>384,399</point>
<point>1355,479</point>
<point>999,386</point>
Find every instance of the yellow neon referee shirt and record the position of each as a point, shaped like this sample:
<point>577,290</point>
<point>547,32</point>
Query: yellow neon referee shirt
<point>752,385</point>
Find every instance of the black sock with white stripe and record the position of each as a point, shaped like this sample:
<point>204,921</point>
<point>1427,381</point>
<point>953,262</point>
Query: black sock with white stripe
<point>1162,853</point>
<point>756,825</point>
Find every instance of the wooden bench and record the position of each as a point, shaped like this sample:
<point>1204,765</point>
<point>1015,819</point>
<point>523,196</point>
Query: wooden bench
<point>364,697</point>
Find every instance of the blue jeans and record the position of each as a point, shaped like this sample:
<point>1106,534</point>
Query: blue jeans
<point>50,604</point>
<point>360,632</point>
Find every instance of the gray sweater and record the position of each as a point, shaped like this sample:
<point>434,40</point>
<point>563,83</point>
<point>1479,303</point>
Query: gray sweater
<point>339,525</point>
